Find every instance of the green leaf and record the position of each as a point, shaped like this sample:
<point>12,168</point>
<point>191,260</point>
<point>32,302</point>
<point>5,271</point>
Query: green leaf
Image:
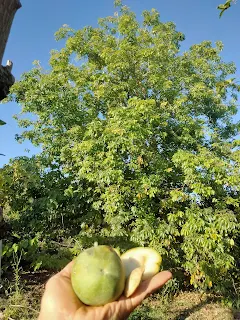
<point>224,7</point>
<point>15,247</point>
<point>117,3</point>
<point>37,265</point>
<point>2,122</point>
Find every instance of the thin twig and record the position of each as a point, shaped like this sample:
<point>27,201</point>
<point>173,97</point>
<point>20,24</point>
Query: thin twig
<point>62,244</point>
<point>19,306</point>
<point>234,287</point>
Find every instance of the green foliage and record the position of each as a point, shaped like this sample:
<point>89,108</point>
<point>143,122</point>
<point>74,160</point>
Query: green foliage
<point>36,254</point>
<point>225,6</point>
<point>138,146</point>
<point>35,197</point>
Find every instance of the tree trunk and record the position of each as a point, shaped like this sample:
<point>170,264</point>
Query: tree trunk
<point>8,9</point>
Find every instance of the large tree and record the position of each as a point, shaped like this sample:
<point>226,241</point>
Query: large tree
<point>145,136</point>
<point>8,9</point>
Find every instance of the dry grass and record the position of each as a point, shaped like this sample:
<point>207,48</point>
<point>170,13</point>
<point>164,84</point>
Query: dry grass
<point>194,306</point>
<point>23,303</point>
<point>185,306</point>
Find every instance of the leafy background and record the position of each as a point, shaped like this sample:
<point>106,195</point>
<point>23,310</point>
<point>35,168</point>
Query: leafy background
<point>139,147</point>
<point>32,39</point>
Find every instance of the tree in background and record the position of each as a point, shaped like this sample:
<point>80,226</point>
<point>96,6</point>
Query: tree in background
<point>144,136</point>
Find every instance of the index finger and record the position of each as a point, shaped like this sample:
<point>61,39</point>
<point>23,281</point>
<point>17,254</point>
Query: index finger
<point>67,271</point>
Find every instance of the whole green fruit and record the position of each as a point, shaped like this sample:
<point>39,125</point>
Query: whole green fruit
<point>98,276</point>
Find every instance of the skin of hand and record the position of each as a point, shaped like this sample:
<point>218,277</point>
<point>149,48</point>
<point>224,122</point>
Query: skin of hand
<point>59,302</point>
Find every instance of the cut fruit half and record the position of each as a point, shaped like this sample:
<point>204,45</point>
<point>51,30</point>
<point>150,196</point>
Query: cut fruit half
<point>146,258</point>
<point>133,281</point>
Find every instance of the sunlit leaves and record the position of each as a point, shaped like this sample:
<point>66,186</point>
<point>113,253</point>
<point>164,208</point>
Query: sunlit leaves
<point>140,139</point>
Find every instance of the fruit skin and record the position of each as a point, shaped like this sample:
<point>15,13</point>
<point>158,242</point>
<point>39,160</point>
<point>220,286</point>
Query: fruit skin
<point>98,276</point>
<point>117,251</point>
<point>147,258</point>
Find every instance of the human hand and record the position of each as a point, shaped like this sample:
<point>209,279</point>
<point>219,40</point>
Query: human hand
<point>59,301</point>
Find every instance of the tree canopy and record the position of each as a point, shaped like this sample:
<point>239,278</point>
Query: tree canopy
<point>138,145</point>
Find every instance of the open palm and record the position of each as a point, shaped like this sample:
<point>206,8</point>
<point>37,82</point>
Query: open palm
<point>59,301</point>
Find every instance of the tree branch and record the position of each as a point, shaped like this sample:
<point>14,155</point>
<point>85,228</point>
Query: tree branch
<point>6,80</point>
<point>8,9</point>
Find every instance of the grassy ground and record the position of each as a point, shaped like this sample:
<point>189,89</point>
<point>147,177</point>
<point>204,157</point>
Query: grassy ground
<point>186,305</point>
<point>21,300</point>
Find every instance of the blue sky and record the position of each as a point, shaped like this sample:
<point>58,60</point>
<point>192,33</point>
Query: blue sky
<point>32,38</point>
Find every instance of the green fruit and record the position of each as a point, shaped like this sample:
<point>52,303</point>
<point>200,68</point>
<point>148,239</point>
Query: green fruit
<point>98,276</point>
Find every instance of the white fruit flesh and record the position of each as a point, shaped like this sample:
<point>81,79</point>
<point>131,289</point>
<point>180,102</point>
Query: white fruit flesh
<point>147,258</point>
<point>133,281</point>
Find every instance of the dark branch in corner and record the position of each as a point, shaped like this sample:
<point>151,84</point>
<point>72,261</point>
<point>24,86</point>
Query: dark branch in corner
<point>6,79</point>
<point>7,12</point>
